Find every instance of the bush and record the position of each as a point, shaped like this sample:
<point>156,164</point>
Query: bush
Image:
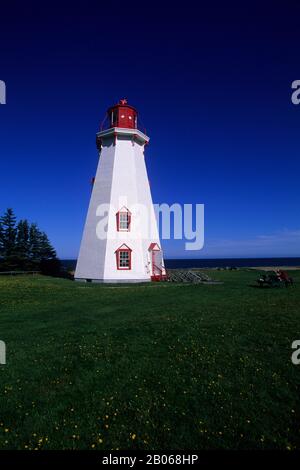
<point>51,267</point>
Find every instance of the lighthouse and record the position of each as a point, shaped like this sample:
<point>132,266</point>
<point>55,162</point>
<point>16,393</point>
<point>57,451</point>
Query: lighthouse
<point>120,241</point>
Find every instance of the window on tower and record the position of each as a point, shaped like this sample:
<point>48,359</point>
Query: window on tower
<point>123,220</point>
<point>114,118</point>
<point>123,255</point>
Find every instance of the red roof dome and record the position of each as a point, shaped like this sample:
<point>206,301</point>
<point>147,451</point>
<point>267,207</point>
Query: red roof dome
<point>122,115</point>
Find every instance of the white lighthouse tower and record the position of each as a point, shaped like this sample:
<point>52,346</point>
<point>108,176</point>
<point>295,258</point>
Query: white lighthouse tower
<point>120,241</point>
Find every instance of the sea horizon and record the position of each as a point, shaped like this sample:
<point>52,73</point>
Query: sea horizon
<point>176,263</point>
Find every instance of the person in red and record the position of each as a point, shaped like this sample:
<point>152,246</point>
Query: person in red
<point>284,277</point>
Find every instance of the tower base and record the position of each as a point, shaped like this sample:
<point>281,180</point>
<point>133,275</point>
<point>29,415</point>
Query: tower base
<point>113,281</point>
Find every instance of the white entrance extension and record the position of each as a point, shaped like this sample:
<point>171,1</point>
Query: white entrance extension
<point>120,240</point>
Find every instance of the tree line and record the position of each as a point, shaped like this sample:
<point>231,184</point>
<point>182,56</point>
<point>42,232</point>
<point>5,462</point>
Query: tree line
<point>23,246</point>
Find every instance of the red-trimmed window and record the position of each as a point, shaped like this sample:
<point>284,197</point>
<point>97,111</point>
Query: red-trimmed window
<point>123,255</point>
<point>123,220</point>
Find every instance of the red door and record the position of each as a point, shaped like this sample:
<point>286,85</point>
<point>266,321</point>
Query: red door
<point>158,271</point>
<point>156,263</point>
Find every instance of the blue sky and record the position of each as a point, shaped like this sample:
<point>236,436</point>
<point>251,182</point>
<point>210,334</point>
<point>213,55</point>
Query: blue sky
<point>213,88</point>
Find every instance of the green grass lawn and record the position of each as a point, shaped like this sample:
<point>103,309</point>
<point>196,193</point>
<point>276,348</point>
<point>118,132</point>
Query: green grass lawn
<point>160,366</point>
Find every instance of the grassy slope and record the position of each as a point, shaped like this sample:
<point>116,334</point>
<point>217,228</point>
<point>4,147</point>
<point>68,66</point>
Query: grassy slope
<point>154,367</point>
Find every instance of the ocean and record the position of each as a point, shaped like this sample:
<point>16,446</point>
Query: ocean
<point>215,263</point>
<point>230,262</point>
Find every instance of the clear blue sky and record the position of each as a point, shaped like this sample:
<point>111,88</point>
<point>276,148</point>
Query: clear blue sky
<point>212,85</point>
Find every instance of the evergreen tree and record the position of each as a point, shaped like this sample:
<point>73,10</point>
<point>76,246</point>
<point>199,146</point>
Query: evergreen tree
<point>1,241</point>
<point>24,246</point>
<point>46,250</point>
<point>34,242</point>
<point>39,245</point>
<point>22,239</point>
<point>8,234</point>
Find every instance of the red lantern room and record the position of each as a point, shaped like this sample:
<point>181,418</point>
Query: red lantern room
<point>122,115</point>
